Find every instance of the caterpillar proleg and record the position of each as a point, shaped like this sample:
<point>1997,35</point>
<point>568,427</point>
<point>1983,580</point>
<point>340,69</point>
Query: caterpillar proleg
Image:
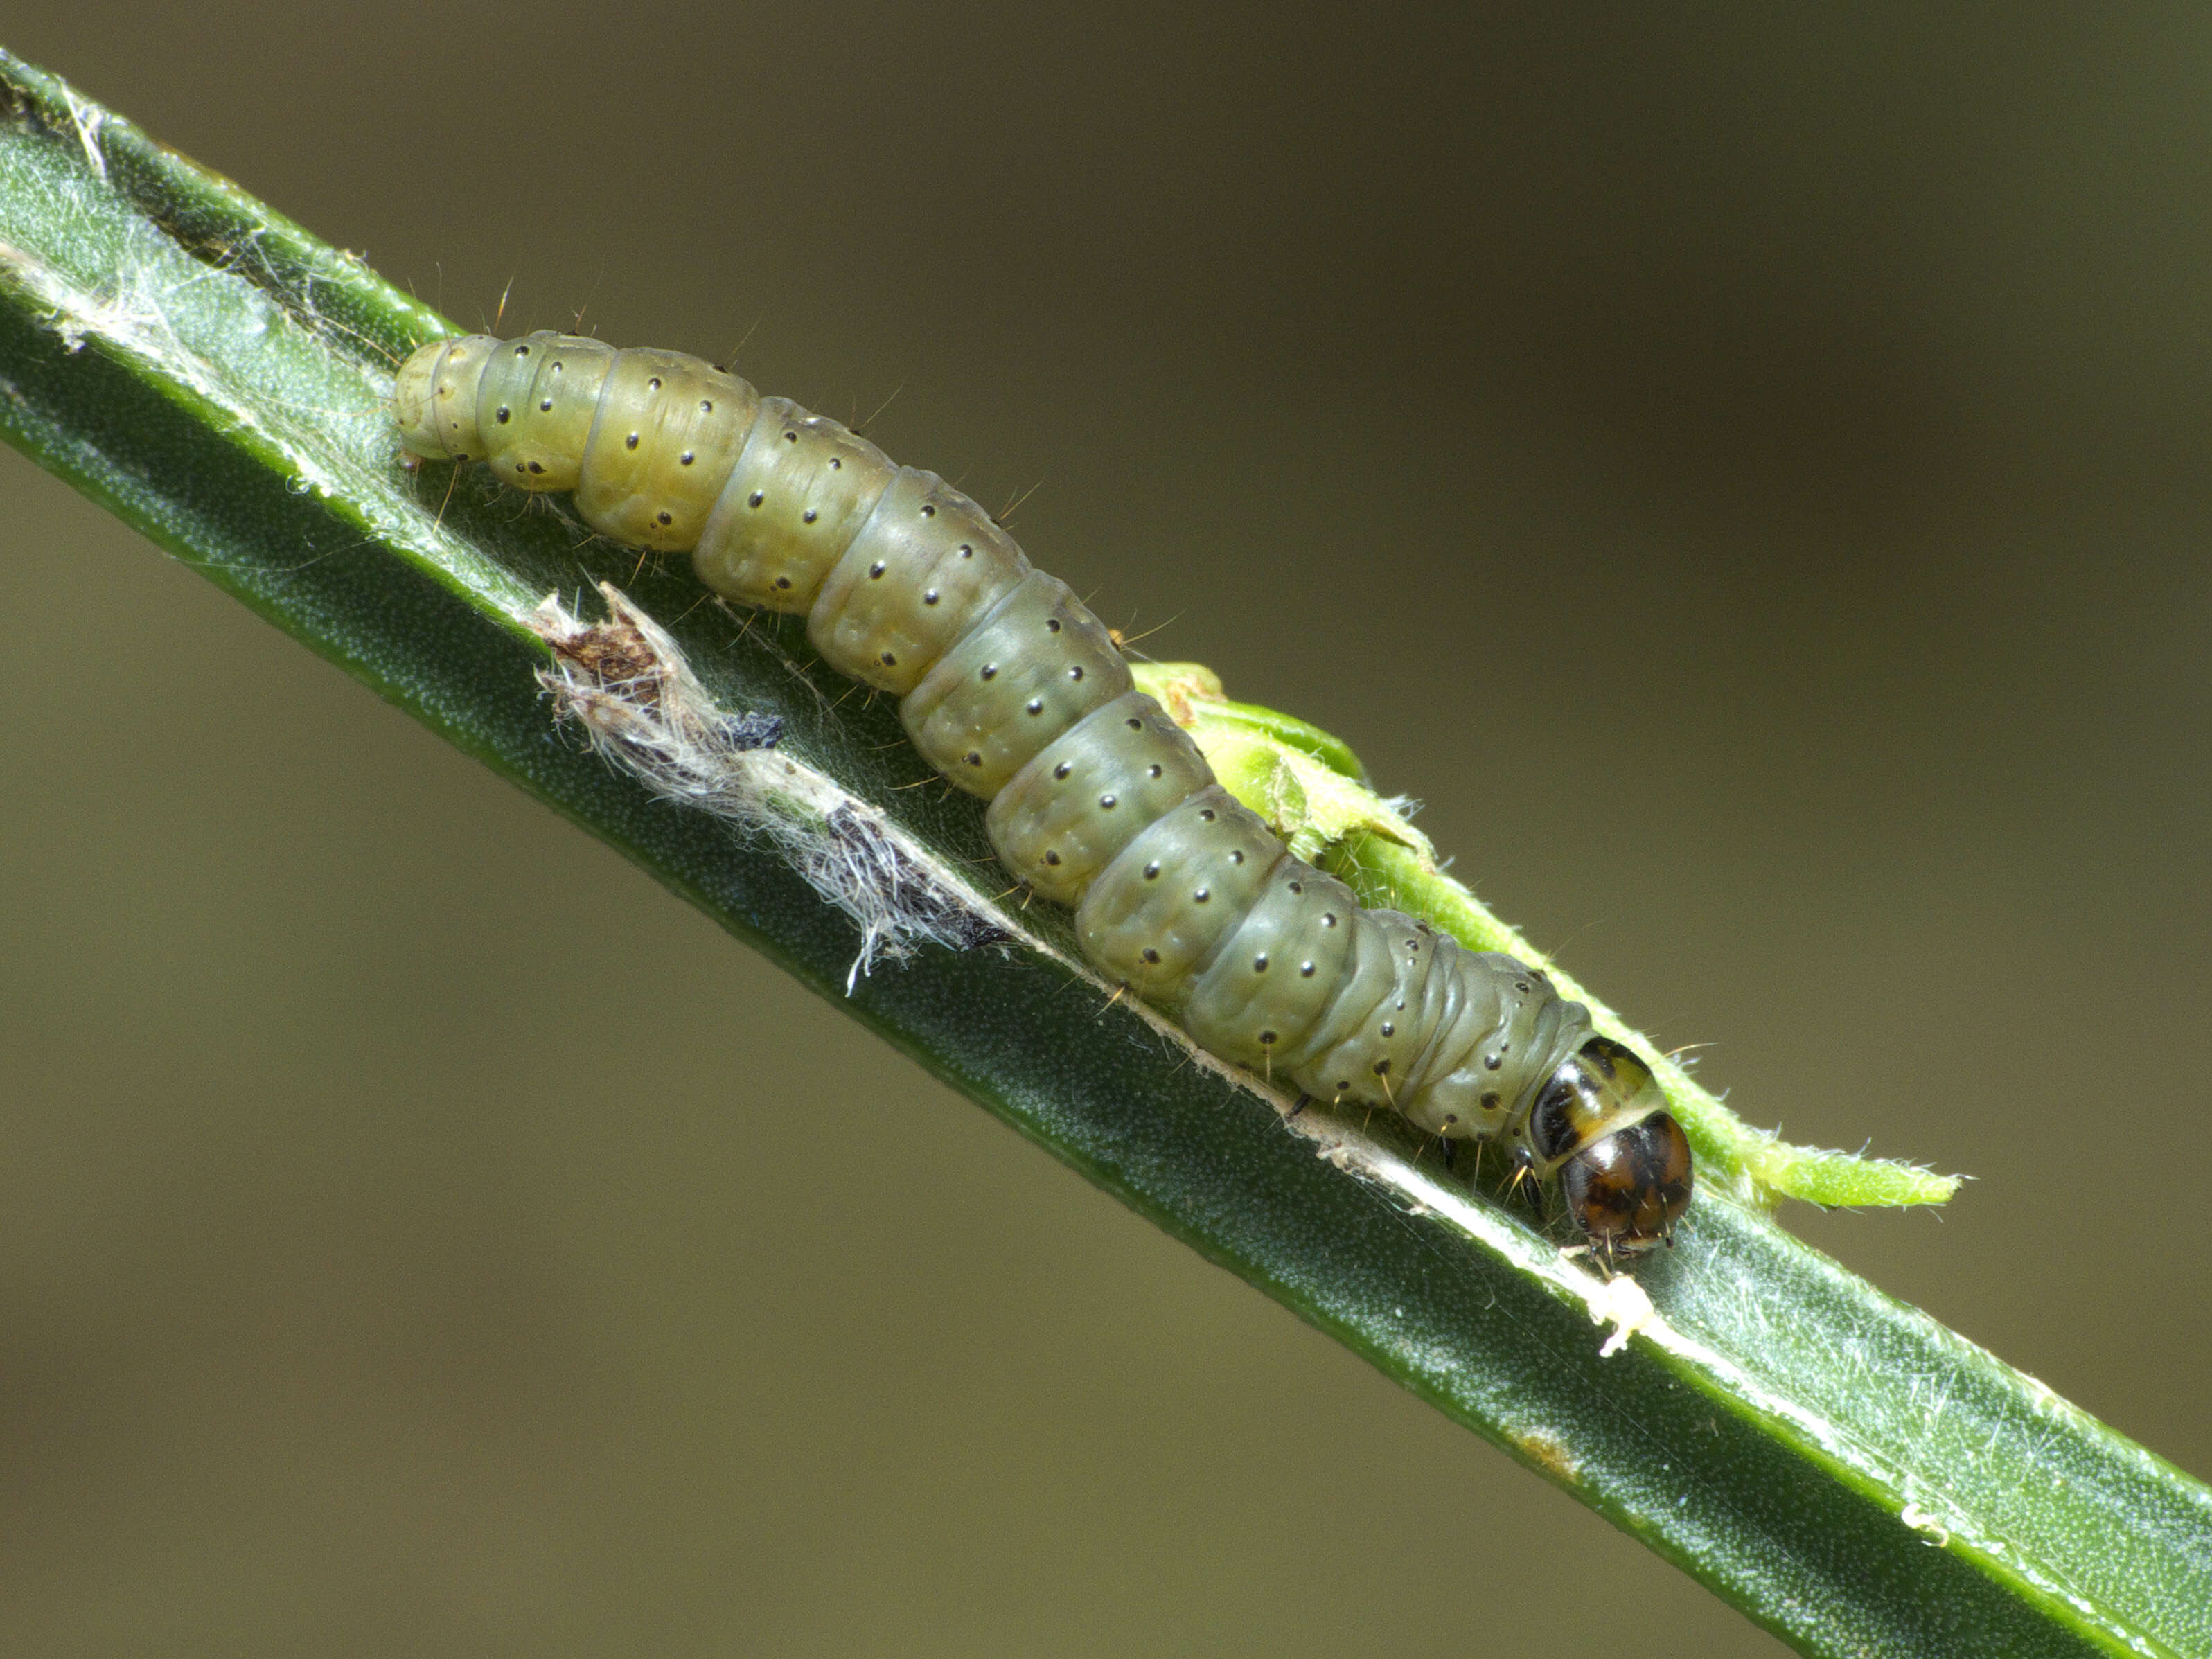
<point>1011,690</point>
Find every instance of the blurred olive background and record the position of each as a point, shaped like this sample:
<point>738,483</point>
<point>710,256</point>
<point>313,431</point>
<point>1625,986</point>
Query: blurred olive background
<point>1745,470</point>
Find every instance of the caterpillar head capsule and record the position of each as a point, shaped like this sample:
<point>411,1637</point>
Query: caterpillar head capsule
<point>1601,1124</point>
<point>1626,1191</point>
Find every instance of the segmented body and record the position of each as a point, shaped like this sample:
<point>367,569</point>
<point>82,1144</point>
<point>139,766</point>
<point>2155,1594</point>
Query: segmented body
<point>1014,691</point>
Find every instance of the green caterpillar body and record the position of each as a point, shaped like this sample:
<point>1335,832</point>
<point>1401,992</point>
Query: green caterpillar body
<point>1016,693</point>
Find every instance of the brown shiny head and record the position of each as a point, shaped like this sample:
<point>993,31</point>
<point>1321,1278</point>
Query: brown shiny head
<point>1623,1164</point>
<point>1626,1191</point>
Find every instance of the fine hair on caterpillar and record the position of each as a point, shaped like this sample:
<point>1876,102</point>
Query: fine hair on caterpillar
<point>1013,692</point>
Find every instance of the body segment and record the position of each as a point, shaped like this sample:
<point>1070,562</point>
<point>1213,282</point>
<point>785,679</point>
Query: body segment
<point>1014,692</point>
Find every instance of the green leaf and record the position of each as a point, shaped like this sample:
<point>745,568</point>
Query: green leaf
<point>1855,1477</point>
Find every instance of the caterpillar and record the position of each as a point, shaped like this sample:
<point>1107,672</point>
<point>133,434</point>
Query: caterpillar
<point>1013,692</point>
